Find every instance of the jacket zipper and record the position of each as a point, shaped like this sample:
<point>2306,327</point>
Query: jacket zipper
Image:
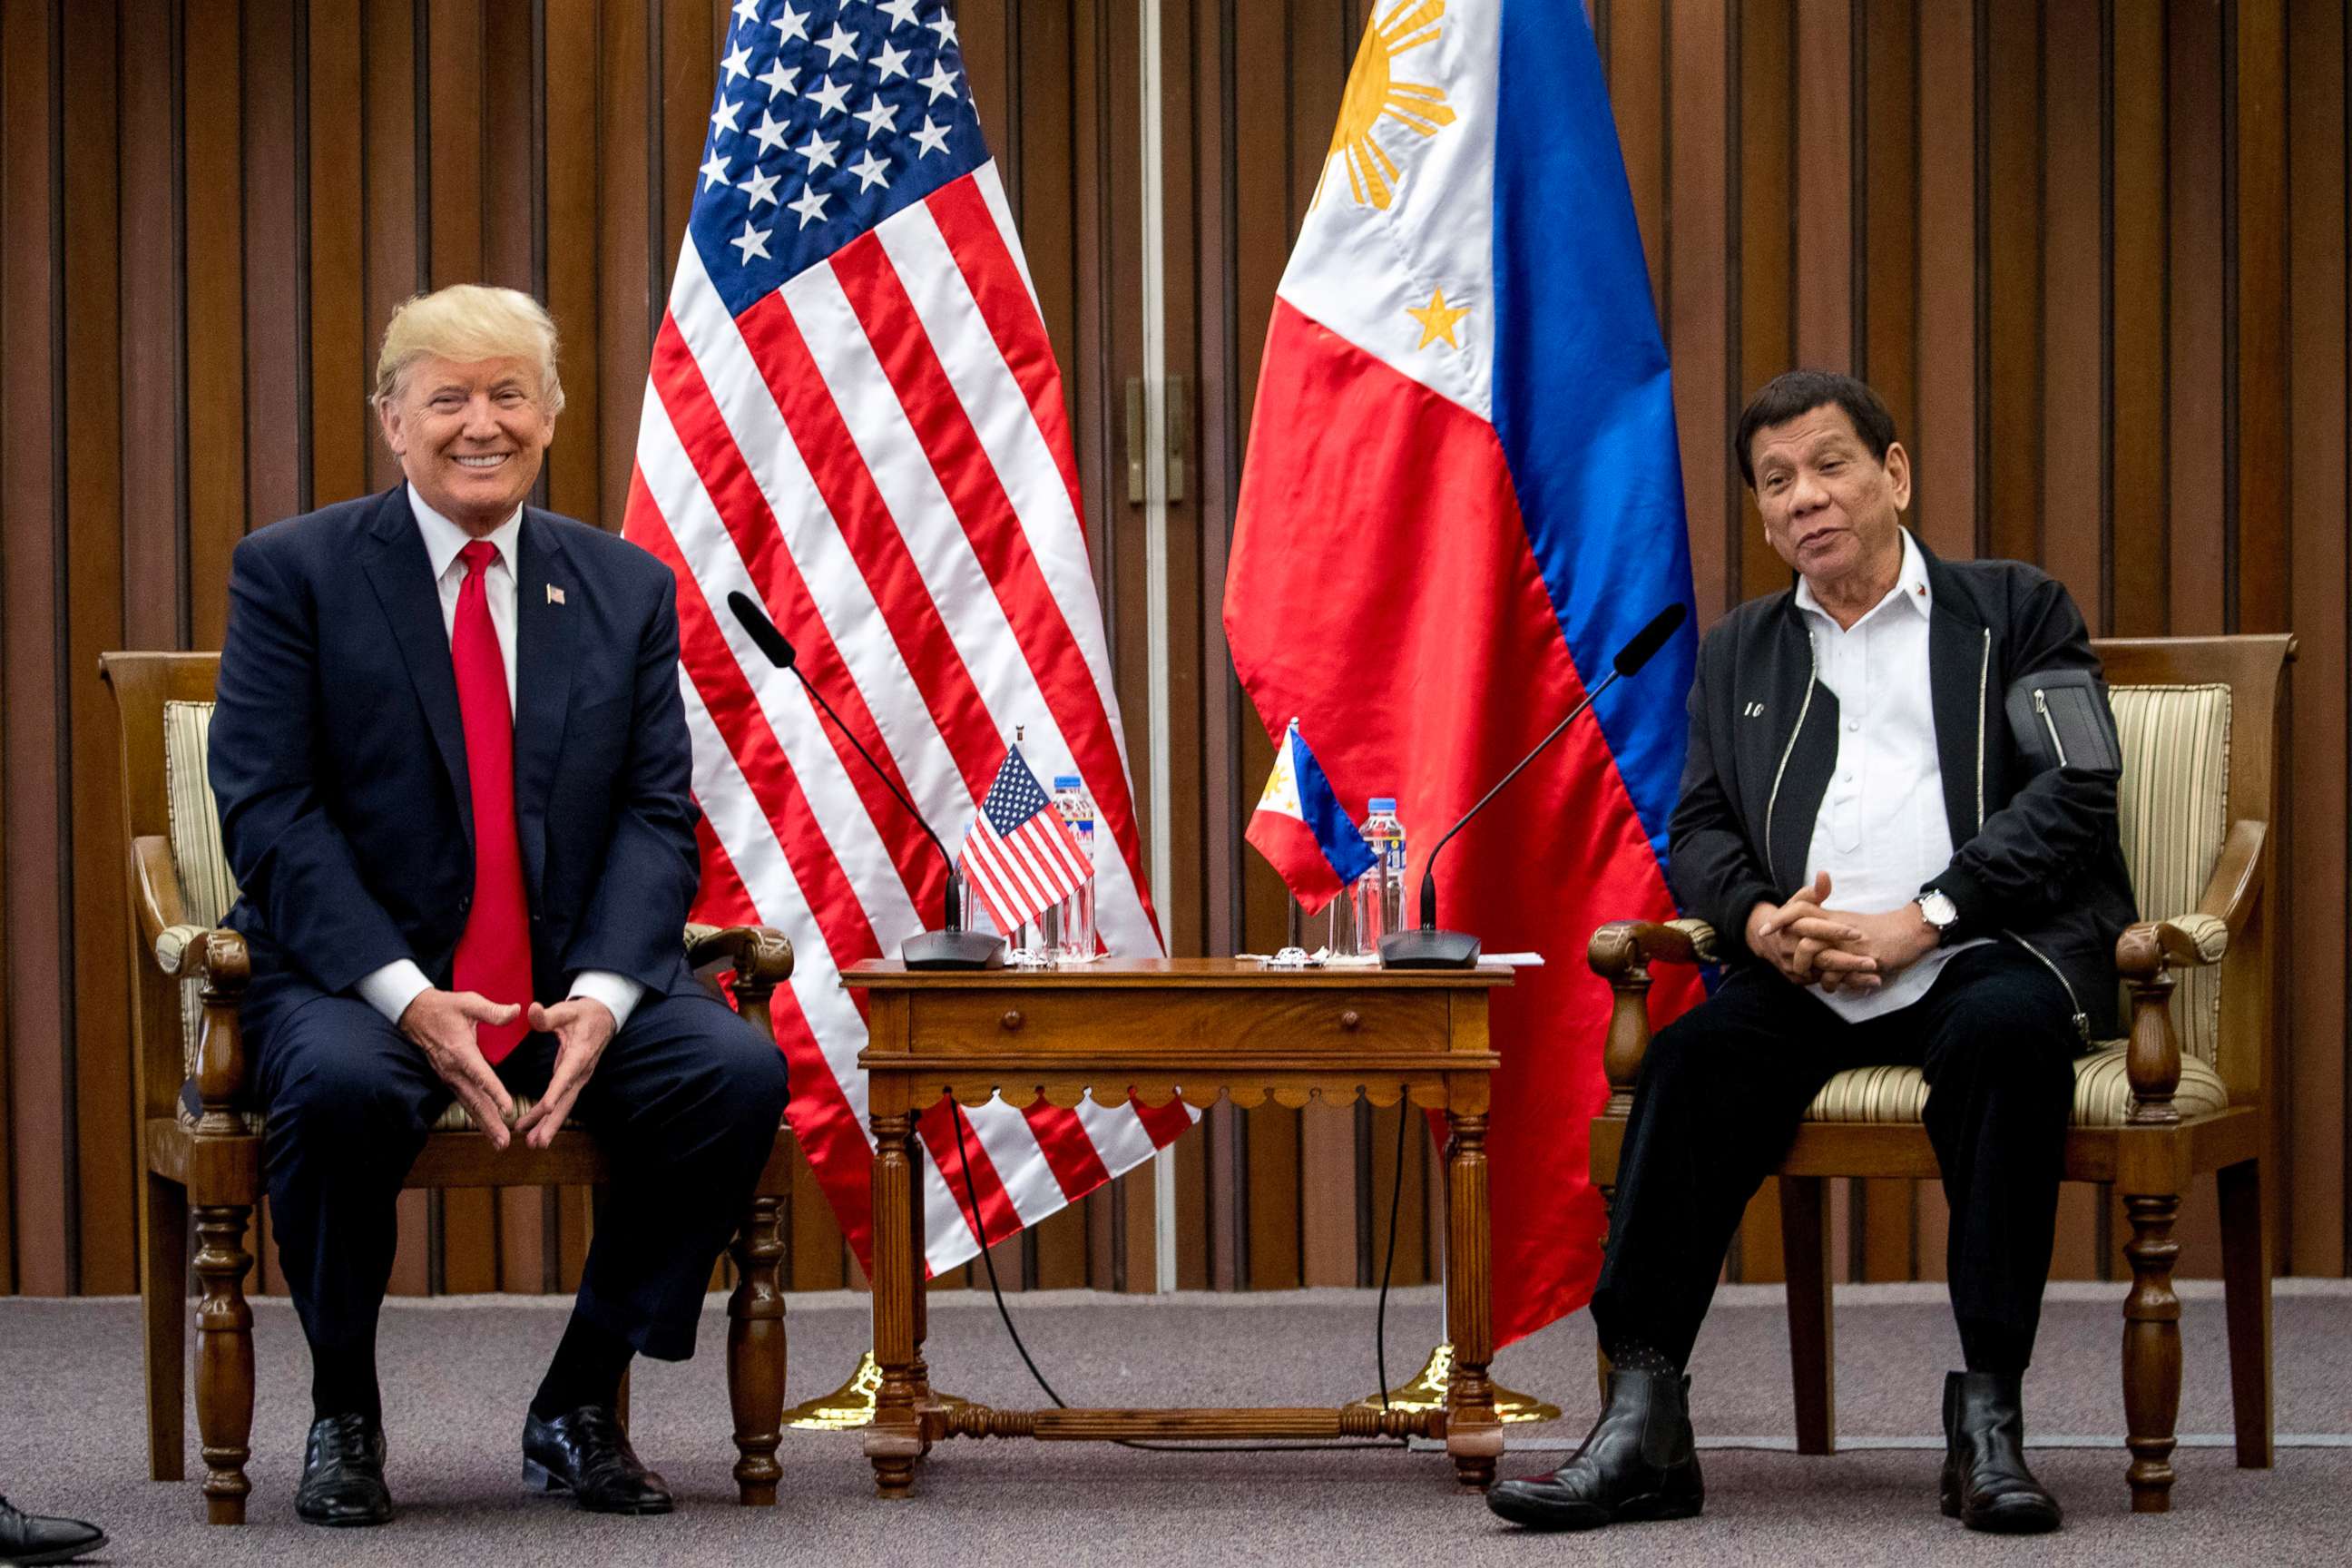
<point>2082,1019</point>
<point>2041,705</point>
<point>1812,674</point>
<point>1984,674</point>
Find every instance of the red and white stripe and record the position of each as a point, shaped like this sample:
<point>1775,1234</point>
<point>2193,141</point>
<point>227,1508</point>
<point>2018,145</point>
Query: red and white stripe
<point>878,452</point>
<point>1020,874</point>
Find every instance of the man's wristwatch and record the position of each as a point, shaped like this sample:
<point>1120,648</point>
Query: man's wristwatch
<point>1936,907</point>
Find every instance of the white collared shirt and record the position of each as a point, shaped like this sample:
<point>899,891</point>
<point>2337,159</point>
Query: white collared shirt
<point>390,990</point>
<point>1882,831</point>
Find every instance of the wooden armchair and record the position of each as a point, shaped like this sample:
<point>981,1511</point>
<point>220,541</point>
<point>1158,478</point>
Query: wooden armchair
<point>189,975</point>
<point>2187,1092</point>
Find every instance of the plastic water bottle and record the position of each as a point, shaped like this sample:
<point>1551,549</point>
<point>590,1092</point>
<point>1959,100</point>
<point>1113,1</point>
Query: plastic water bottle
<point>1077,912</point>
<point>1379,892</point>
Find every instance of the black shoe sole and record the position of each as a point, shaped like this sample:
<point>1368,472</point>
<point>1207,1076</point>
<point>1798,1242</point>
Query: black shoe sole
<point>2027,1520</point>
<point>57,1554</point>
<point>343,1521</point>
<point>1532,1514</point>
<point>537,1478</point>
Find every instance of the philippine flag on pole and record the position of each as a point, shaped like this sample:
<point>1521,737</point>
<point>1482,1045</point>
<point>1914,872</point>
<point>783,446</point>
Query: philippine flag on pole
<point>1303,830</point>
<point>1462,497</point>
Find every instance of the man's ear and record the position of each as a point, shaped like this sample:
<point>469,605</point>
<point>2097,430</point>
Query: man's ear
<point>396,434</point>
<point>1897,463</point>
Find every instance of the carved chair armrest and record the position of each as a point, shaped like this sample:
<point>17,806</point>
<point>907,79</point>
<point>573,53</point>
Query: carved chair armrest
<point>1621,952</point>
<point>218,961</point>
<point>760,956</point>
<point>2149,951</point>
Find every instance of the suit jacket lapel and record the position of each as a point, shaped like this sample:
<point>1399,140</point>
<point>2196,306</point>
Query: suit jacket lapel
<point>401,574</point>
<point>1958,670</point>
<point>547,607</point>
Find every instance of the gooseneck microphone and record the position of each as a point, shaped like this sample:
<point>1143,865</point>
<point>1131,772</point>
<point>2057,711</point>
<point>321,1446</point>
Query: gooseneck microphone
<point>950,946</point>
<point>1430,948</point>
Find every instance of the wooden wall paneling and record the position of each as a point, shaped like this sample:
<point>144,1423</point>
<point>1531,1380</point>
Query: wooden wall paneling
<point>1766,131</point>
<point>1944,503</point>
<point>1695,300</point>
<point>154,453</point>
<point>214,175</point>
<point>819,1256</point>
<point>2196,374</point>
<point>568,171</point>
<point>2314,1131</point>
<point>341,360</point>
<point>628,287</point>
<point>2138,428</point>
<point>30,511</point>
<point>1827,83</point>
<point>692,40</point>
<point>2260,548</point>
<point>392,220</point>
<point>2009,437</point>
<point>513,153</point>
<point>449,36</point>
<point>1635,65</point>
<point>276,435</point>
<point>105,1177</point>
<point>1885,355</point>
<point>2073,368</point>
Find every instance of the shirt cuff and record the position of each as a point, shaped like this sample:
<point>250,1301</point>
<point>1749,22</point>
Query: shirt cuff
<point>391,989</point>
<point>619,994</point>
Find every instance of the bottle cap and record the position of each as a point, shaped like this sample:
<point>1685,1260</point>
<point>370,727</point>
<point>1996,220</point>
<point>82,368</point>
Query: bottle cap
<point>1383,802</point>
<point>1065,781</point>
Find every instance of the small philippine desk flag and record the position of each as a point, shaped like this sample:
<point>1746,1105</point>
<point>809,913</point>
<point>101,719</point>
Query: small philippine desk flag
<point>1303,830</point>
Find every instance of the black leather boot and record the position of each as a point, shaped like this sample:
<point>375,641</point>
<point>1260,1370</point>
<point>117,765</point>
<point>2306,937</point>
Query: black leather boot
<point>1638,1462</point>
<point>343,1473</point>
<point>1985,1483</point>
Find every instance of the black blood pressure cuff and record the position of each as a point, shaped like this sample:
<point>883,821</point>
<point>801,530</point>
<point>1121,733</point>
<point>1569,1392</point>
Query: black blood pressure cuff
<point>2060,718</point>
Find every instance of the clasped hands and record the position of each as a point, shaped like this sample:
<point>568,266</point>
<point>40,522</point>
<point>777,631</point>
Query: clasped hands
<point>442,1023</point>
<point>1812,944</point>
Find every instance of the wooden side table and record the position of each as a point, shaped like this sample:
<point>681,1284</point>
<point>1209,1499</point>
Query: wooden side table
<point>1158,1029</point>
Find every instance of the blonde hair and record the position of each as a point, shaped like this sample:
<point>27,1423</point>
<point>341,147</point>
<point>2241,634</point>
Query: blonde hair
<point>467,322</point>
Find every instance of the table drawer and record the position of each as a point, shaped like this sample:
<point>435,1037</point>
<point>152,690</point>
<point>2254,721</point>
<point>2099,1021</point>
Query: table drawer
<point>1204,1025</point>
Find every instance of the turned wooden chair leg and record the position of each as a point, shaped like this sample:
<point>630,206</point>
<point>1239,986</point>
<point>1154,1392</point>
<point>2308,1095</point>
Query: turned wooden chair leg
<point>1804,1230</point>
<point>224,1359</point>
<point>2246,1290</point>
<point>163,1292</point>
<point>2151,1349</point>
<point>755,1352</point>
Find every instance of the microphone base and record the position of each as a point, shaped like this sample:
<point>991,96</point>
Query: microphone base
<point>952,950</point>
<point>1429,950</point>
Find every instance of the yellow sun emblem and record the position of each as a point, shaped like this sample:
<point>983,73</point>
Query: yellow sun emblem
<point>1373,95</point>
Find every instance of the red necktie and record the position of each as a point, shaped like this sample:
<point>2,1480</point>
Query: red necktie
<point>494,954</point>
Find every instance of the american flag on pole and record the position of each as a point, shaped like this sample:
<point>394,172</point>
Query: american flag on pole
<point>854,415</point>
<point>1022,857</point>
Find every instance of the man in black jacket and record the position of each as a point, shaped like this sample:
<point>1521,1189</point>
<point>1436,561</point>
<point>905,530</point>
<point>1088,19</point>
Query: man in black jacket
<point>1920,753</point>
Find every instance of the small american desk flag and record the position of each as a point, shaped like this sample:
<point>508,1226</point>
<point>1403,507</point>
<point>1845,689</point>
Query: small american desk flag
<point>853,416</point>
<point>1022,857</point>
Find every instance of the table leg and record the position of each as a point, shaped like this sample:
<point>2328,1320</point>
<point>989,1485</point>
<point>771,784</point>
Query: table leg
<point>918,1370</point>
<point>895,1440</point>
<point>1474,1432</point>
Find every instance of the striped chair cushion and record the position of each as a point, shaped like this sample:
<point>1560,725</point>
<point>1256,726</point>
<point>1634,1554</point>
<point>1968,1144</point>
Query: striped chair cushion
<point>2103,1095</point>
<point>2175,809</point>
<point>206,888</point>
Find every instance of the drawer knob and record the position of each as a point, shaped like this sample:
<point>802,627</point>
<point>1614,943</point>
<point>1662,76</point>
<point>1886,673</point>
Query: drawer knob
<point>1350,1019</point>
<point>1013,1019</point>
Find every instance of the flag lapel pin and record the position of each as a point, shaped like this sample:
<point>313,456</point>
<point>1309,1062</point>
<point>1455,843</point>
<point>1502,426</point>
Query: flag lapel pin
<point>554,594</point>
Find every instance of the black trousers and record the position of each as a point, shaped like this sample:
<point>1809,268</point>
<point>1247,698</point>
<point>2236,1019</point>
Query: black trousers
<point>1724,1088</point>
<point>686,1100</point>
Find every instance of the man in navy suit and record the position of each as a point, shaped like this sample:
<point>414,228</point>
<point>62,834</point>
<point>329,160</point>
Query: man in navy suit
<point>453,770</point>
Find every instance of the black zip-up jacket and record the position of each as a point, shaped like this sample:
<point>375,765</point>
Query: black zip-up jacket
<point>2037,859</point>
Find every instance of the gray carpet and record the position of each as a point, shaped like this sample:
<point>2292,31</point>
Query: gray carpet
<point>459,1372</point>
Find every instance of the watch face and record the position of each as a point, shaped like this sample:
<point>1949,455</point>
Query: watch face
<point>1937,909</point>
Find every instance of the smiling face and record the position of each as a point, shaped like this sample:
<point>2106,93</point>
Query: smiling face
<point>470,436</point>
<point>1831,510</point>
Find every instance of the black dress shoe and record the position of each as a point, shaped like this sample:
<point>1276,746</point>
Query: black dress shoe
<point>1985,1483</point>
<point>1639,1462</point>
<point>342,1472</point>
<point>30,1538</point>
<point>588,1455</point>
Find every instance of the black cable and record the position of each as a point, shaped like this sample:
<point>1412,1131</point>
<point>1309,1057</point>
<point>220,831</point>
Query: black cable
<point>1388,1264</point>
<point>963,1155</point>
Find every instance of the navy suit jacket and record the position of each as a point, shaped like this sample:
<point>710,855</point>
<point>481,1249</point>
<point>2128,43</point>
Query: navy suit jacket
<point>338,753</point>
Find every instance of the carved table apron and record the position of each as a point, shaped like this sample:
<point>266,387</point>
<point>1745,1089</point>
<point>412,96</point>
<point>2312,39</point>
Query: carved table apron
<point>1158,1029</point>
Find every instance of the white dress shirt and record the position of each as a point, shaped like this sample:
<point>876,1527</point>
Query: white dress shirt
<point>1880,832</point>
<point>390,990</point>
